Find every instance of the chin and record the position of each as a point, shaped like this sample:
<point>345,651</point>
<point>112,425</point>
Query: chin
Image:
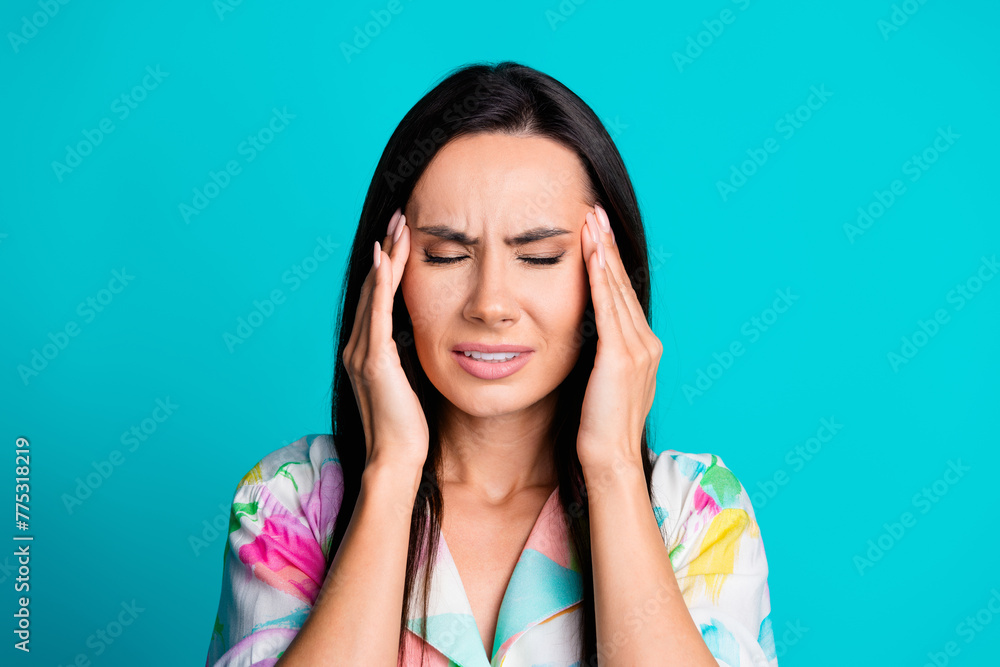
<point>487,401</point>
<point>490,401</point>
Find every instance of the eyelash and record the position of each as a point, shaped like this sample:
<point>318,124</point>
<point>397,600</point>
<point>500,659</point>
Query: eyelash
<point>537,261</point>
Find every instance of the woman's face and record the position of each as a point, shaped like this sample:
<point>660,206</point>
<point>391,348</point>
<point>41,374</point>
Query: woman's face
<point>495,259</point>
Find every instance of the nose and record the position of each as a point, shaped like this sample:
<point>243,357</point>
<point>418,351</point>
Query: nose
<point>491,297</point>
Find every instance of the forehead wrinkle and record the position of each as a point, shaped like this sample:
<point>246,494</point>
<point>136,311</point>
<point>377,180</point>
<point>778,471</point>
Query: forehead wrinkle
<point>528,236</point>
<point>445,217</point>
<point>495,185</point>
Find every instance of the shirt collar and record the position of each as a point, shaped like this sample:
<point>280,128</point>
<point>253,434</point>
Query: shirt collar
<point>546,580</point>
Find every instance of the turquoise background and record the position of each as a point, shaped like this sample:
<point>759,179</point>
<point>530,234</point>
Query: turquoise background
<point>718,262</point>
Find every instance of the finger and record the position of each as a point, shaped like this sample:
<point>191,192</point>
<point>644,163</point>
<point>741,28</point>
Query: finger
<point>644,339</point>
<point>358,344</point>
<point>359,317</point>
<point>380,320</point>
<point>386,245</point>
<point>352,342</point>
<point>359,334</point>
<point>627,292</point>
<point>359,329</point>
<point>399,252</point>
<point>605,312</point>
<point>388,242</point>
<point>617,268</point>
<point>397,262</point>
<point>626,325</point>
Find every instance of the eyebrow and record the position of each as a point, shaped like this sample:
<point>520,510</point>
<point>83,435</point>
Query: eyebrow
<point>449,234</point>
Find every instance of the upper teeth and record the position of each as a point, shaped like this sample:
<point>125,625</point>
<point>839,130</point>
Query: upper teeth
<point>491,356</point>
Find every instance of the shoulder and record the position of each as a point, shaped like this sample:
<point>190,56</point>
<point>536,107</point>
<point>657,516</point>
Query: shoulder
<point>718,556</point>
<point>695,487</point>
<point>303,460</point>
<point>280,532</point>
<point>301,482</point>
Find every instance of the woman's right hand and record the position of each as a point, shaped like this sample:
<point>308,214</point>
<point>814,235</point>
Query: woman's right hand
<point>395,426</point>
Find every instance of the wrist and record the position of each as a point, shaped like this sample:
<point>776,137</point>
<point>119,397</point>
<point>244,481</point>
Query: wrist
<point>613,476</point>
<point>393,474</point>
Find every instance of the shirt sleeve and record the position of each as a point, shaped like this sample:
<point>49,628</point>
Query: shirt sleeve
<point>280,530</point>
<point>717,553</point>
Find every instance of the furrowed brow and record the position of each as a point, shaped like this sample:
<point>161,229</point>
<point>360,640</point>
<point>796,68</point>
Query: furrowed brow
<point>450,234</point>
<point>536,234</point>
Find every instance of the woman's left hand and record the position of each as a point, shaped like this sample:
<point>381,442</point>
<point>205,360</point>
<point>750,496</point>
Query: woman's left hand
<point>620,390</point>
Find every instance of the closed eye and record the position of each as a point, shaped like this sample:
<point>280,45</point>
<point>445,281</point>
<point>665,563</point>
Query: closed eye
<point>538,261</point>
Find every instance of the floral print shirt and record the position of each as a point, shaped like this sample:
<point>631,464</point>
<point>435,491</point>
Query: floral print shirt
<point>281,529</point>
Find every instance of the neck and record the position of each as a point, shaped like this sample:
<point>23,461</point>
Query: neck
<point>498,457</point>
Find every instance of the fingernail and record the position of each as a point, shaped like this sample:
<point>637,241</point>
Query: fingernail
<point>399,228</point>
<point>602,216</point>
<point>592,226</point>
<point>393,221</point>
<point>378,254</point>
<point>600,254</point>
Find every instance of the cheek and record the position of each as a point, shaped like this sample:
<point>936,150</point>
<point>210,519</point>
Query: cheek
<point>563,301</point>
<point>414,292</point>
<point>428,298</point>
<point>406,285</point>
<point>576,292</point>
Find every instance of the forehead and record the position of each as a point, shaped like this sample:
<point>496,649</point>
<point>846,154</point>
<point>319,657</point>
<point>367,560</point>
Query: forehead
<point>500,177</point>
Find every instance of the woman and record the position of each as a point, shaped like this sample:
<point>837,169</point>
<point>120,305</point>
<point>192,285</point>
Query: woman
<point>505,507</point>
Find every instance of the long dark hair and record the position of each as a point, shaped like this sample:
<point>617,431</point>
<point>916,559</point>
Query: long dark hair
<point>505,98</point>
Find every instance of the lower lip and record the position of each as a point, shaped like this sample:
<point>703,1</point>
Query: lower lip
<point>491,370</point>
